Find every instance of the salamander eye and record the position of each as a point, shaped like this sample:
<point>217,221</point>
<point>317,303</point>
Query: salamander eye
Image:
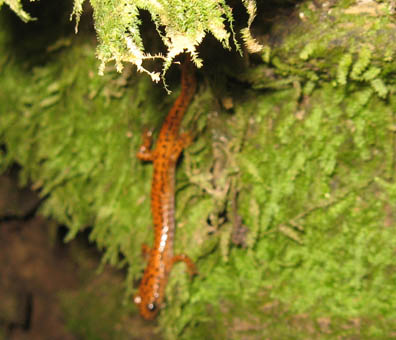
<point>151,307</point>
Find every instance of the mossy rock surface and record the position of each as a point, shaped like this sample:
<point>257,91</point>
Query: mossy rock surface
<point>285,200</point>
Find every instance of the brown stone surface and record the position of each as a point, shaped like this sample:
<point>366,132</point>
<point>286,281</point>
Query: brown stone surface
<point>31,273</point>
<point>14,201</point>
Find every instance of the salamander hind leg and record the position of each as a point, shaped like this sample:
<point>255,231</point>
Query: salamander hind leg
<point>183,141</point>
<point>144,153</point>
<point>192,269</point>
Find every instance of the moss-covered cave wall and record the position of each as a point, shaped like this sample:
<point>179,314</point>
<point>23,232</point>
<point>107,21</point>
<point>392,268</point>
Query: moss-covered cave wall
<point>285,200</point>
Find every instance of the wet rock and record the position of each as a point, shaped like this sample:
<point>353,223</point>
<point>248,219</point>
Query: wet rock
<point>16,202</point>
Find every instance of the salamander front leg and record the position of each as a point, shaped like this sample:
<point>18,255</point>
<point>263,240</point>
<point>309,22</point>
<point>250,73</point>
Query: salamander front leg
<point>146,251</point>
<point>192,269</point>
<point>144,153</point>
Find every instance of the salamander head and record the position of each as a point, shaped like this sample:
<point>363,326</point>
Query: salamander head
<point>150,295</point>
<point>147,308</point>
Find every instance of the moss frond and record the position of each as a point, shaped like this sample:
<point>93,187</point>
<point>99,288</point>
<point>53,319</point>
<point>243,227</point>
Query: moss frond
<point>16,6</point>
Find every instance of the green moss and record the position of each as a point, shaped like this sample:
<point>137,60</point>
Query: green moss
<point>305,160</point>
<point>180,24</point>
<point>16,6</point>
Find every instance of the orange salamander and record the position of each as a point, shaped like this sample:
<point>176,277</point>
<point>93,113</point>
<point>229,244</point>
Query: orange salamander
<point>164,157</point>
